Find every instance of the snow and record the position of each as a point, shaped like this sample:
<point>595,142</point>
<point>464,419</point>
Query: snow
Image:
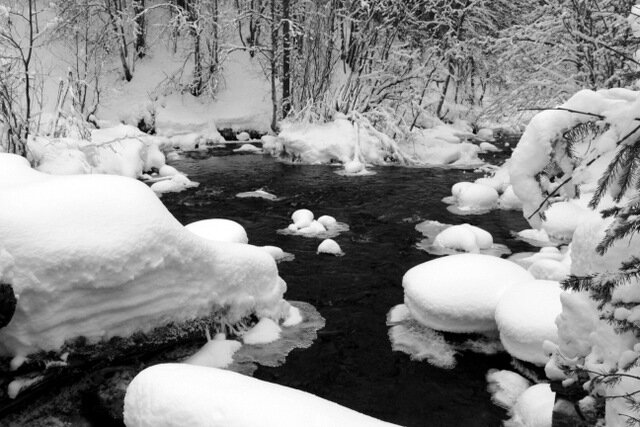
<point>509,201</point>
<point>534,408</point>
<point>563,218</point>
<point>459,293</point>
<point>534,237</point>
<point>464,237</point>
<point>293,318</point>
<point>259,193</point>
<point>356,146</point>
<point>100,256</point>
<point>472,198</point>
<point>216,353</point>
<point>243,136</point>
<point>525,315</point>
<point>445,239</point>
<point>219,230</point>
<point>485,134</point>
<point>277,253</point>
<point>248,148</point>
<point>305,225</point>
<point>302,218</point>
<point>172,395</point>
<point>488,147</point>
<point>331,247</point>
<point>264,332</point>
<point>506,387</point>
<point>175,184</point>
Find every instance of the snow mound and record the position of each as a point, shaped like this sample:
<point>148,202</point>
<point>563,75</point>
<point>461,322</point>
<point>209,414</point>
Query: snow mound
<point>264,332</point>
<point>259,193</point>
<point>526,315</point>
<point>356,145</point>
<point>175,184</point>
<point>331,247</point>
<point>534,408</point>
<point>305,225</point>
<point>509,201</point>
<point>562,219</point>
<point>172,395</point>
<point>505,387</point>
<point>216,353</point>
<point>243,136</point>
<point>219,230</point>
<point>100,256</point>
<point>445,239</point>
<point>248,148</point>
<point>468,198</point>
<point>534,237</point>
<point>487,147</point>
<point>120,150</point>
<point>459,293</point>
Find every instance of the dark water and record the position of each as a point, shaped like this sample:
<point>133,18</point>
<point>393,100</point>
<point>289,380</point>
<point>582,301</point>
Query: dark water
<point>351,363</point>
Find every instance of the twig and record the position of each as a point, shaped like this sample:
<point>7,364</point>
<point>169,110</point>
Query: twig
<point>600,116</point>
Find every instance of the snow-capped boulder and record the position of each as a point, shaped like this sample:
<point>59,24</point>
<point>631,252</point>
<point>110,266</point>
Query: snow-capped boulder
<point>534,407</point>
<point>464,237</point>
<point>219,230</point>
<point>459,293</point>
<point>172,395</point>
<point>472,197</point>
<point>331,247</point>
<point>100,256</point>
<point>526,315</point>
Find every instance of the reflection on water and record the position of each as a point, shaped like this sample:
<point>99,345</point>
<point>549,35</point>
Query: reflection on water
<point>351,362</point>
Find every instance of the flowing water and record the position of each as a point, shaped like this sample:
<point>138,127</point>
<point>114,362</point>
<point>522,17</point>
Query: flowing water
<point>351,362</point>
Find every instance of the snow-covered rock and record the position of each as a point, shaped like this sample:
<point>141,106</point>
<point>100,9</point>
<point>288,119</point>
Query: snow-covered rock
<point>488,147</point>
<point>464,237</point>
<point>469,197</point>
<point>506,387</point>
<point>534,408</point>
<point>248,148</point>
<point>259,193</point>
<point>509,201</point>
<point>219,230</point>
<point>175,184</point>
<point>459,293</point>
<point>302,218</point>
<point>526,315</point>
<point>331,247</point>
<point>243,136</point>
<point>305,225</point>
<point>100,256</point>
<point>173,395</point>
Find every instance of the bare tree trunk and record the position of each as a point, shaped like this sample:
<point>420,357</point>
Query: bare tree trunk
<point>286,59</point>
<point>141,28</point>
<point>114,9</point>
<point>274,68</point>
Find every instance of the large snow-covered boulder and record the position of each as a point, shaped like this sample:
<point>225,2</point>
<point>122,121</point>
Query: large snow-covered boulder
<point>219,230</point>
<point>100,256</point>
<point>526,315</point>
<point>459,293</point>
<point>176,395</point>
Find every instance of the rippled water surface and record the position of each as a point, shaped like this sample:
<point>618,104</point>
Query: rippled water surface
<point>352,362</point>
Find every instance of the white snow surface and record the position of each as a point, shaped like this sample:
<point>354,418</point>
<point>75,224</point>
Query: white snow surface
<point>176,395</point>
<point>464,237</point>
<point>216,353</point>
<point>506,387</point>
<point>264,332</point>
<point>459,293</point>
<point>526,315</point>
<point>470,198</point>
<point>534,408</point>
<point>100,256</point>
<point>331,247</point>
<point>248,148</point>
<point>219,230</point>
<point>356,146</point>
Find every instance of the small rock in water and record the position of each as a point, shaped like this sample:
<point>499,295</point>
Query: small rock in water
<point>330,246</point>
<point>327,221</point>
